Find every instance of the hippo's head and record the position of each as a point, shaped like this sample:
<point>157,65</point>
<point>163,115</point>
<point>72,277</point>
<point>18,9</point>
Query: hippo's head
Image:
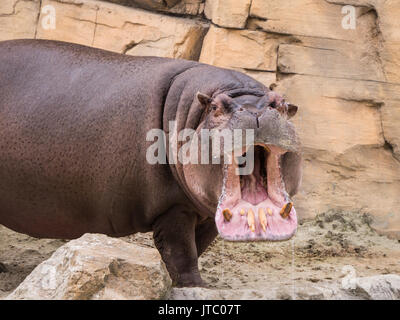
<point>253,205</point>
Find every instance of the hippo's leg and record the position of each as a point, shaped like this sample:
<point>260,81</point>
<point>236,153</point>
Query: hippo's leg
<point>206,232</point>
<point>174,237</point>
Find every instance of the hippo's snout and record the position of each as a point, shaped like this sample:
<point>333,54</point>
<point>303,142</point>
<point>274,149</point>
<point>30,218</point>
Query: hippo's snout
<point>270,128</point>
<point>257,205</point>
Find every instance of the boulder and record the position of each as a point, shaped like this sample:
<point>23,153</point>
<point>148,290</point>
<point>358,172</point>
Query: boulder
<point>96,267</point>
<point>379,287</point>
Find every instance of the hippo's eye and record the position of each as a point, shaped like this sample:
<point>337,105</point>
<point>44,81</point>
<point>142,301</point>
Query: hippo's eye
<point>213,107</point>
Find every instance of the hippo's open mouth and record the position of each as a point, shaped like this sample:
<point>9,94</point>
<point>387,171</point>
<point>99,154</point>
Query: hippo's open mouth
<point>256,206</point>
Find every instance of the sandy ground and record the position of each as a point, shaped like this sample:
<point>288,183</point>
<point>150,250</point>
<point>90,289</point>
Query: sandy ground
<point>318,252</point>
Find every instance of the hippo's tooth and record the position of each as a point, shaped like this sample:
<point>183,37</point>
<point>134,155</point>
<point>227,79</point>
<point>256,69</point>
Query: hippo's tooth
<point>251,220</point>
<point>227,214</point>
<point>242,212</point>
<point>263,218</point>
<point>286,210</point>
<point>269,211</point>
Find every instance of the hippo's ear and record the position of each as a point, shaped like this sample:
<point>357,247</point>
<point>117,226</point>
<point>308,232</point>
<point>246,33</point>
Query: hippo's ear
<point>203,98</point>
<point>292,110</point>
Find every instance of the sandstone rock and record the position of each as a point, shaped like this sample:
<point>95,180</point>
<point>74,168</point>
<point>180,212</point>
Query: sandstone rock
<point>340,122</point>
<point>329,59</point>
<point>346,158</point>
<point>215,294</point>
<point>125,30</point>
<point>301,291</point>
<point>303,18</point>
<point>309,293</point>
<point>97,267</point>
<point>239,49</point>
<point>191,7</point>
<point>389,25</point>
<point>380,287</point>
<point>138,33</point>
<point>386,26</point>
<point>75,21</point>
<point>266,78</point>
<point>228,13</point>
<point>390,123</point>
<point>18,19</point>
<point>148,4</point>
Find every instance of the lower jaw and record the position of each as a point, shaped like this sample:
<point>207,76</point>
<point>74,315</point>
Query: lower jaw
<point>267,225</point>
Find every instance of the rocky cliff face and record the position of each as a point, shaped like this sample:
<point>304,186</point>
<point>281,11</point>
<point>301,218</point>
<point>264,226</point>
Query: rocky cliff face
<point>346,81</point>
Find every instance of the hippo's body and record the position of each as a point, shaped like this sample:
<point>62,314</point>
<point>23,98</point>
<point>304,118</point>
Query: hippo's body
<point>73,124</point>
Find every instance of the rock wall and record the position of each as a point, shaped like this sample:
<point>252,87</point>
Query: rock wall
<point>346,81</point>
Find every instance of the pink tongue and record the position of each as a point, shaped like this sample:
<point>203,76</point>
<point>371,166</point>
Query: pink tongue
<point>253,191</point>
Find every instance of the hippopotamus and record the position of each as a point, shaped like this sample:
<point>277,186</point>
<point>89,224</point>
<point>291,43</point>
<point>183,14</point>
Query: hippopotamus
<point>74,125</point>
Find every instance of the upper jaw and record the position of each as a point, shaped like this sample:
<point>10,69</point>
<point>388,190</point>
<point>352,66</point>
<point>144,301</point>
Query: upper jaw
<point>253,212</point>
<point>274,130</point>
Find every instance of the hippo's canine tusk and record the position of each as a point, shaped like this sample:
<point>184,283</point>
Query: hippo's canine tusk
<point>286,210</point>
<point>227,215</point>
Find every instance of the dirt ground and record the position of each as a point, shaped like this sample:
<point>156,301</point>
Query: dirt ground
<point>318,252</point>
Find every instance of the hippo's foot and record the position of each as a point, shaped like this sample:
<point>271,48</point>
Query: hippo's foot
<point>191,279</point>
<point>3,268</point>
<point>174,237</point>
